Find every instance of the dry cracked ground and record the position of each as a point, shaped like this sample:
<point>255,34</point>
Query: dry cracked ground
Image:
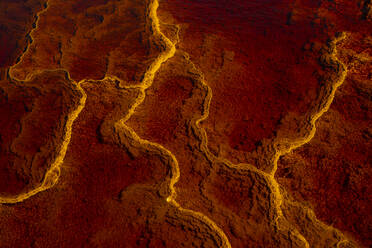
<point>146,123</point>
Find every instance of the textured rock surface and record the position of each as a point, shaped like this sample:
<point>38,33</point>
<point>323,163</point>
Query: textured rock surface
<point>90,40</point>
<point>195,124</point>
<point>16,18</point>
<point>337,162</point>
<point>34,131</point>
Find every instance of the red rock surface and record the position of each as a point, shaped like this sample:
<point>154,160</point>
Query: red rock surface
<point>16,18</point>
<point>195,124</point>
<point>31,135</point>
<point>337,162</point>
<point>89,40</point>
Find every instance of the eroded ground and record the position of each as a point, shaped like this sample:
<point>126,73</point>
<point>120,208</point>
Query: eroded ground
<point>185,124</point>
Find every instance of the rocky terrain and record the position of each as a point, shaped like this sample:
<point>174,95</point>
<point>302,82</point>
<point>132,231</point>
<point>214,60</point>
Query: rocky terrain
<point>185,123</point>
